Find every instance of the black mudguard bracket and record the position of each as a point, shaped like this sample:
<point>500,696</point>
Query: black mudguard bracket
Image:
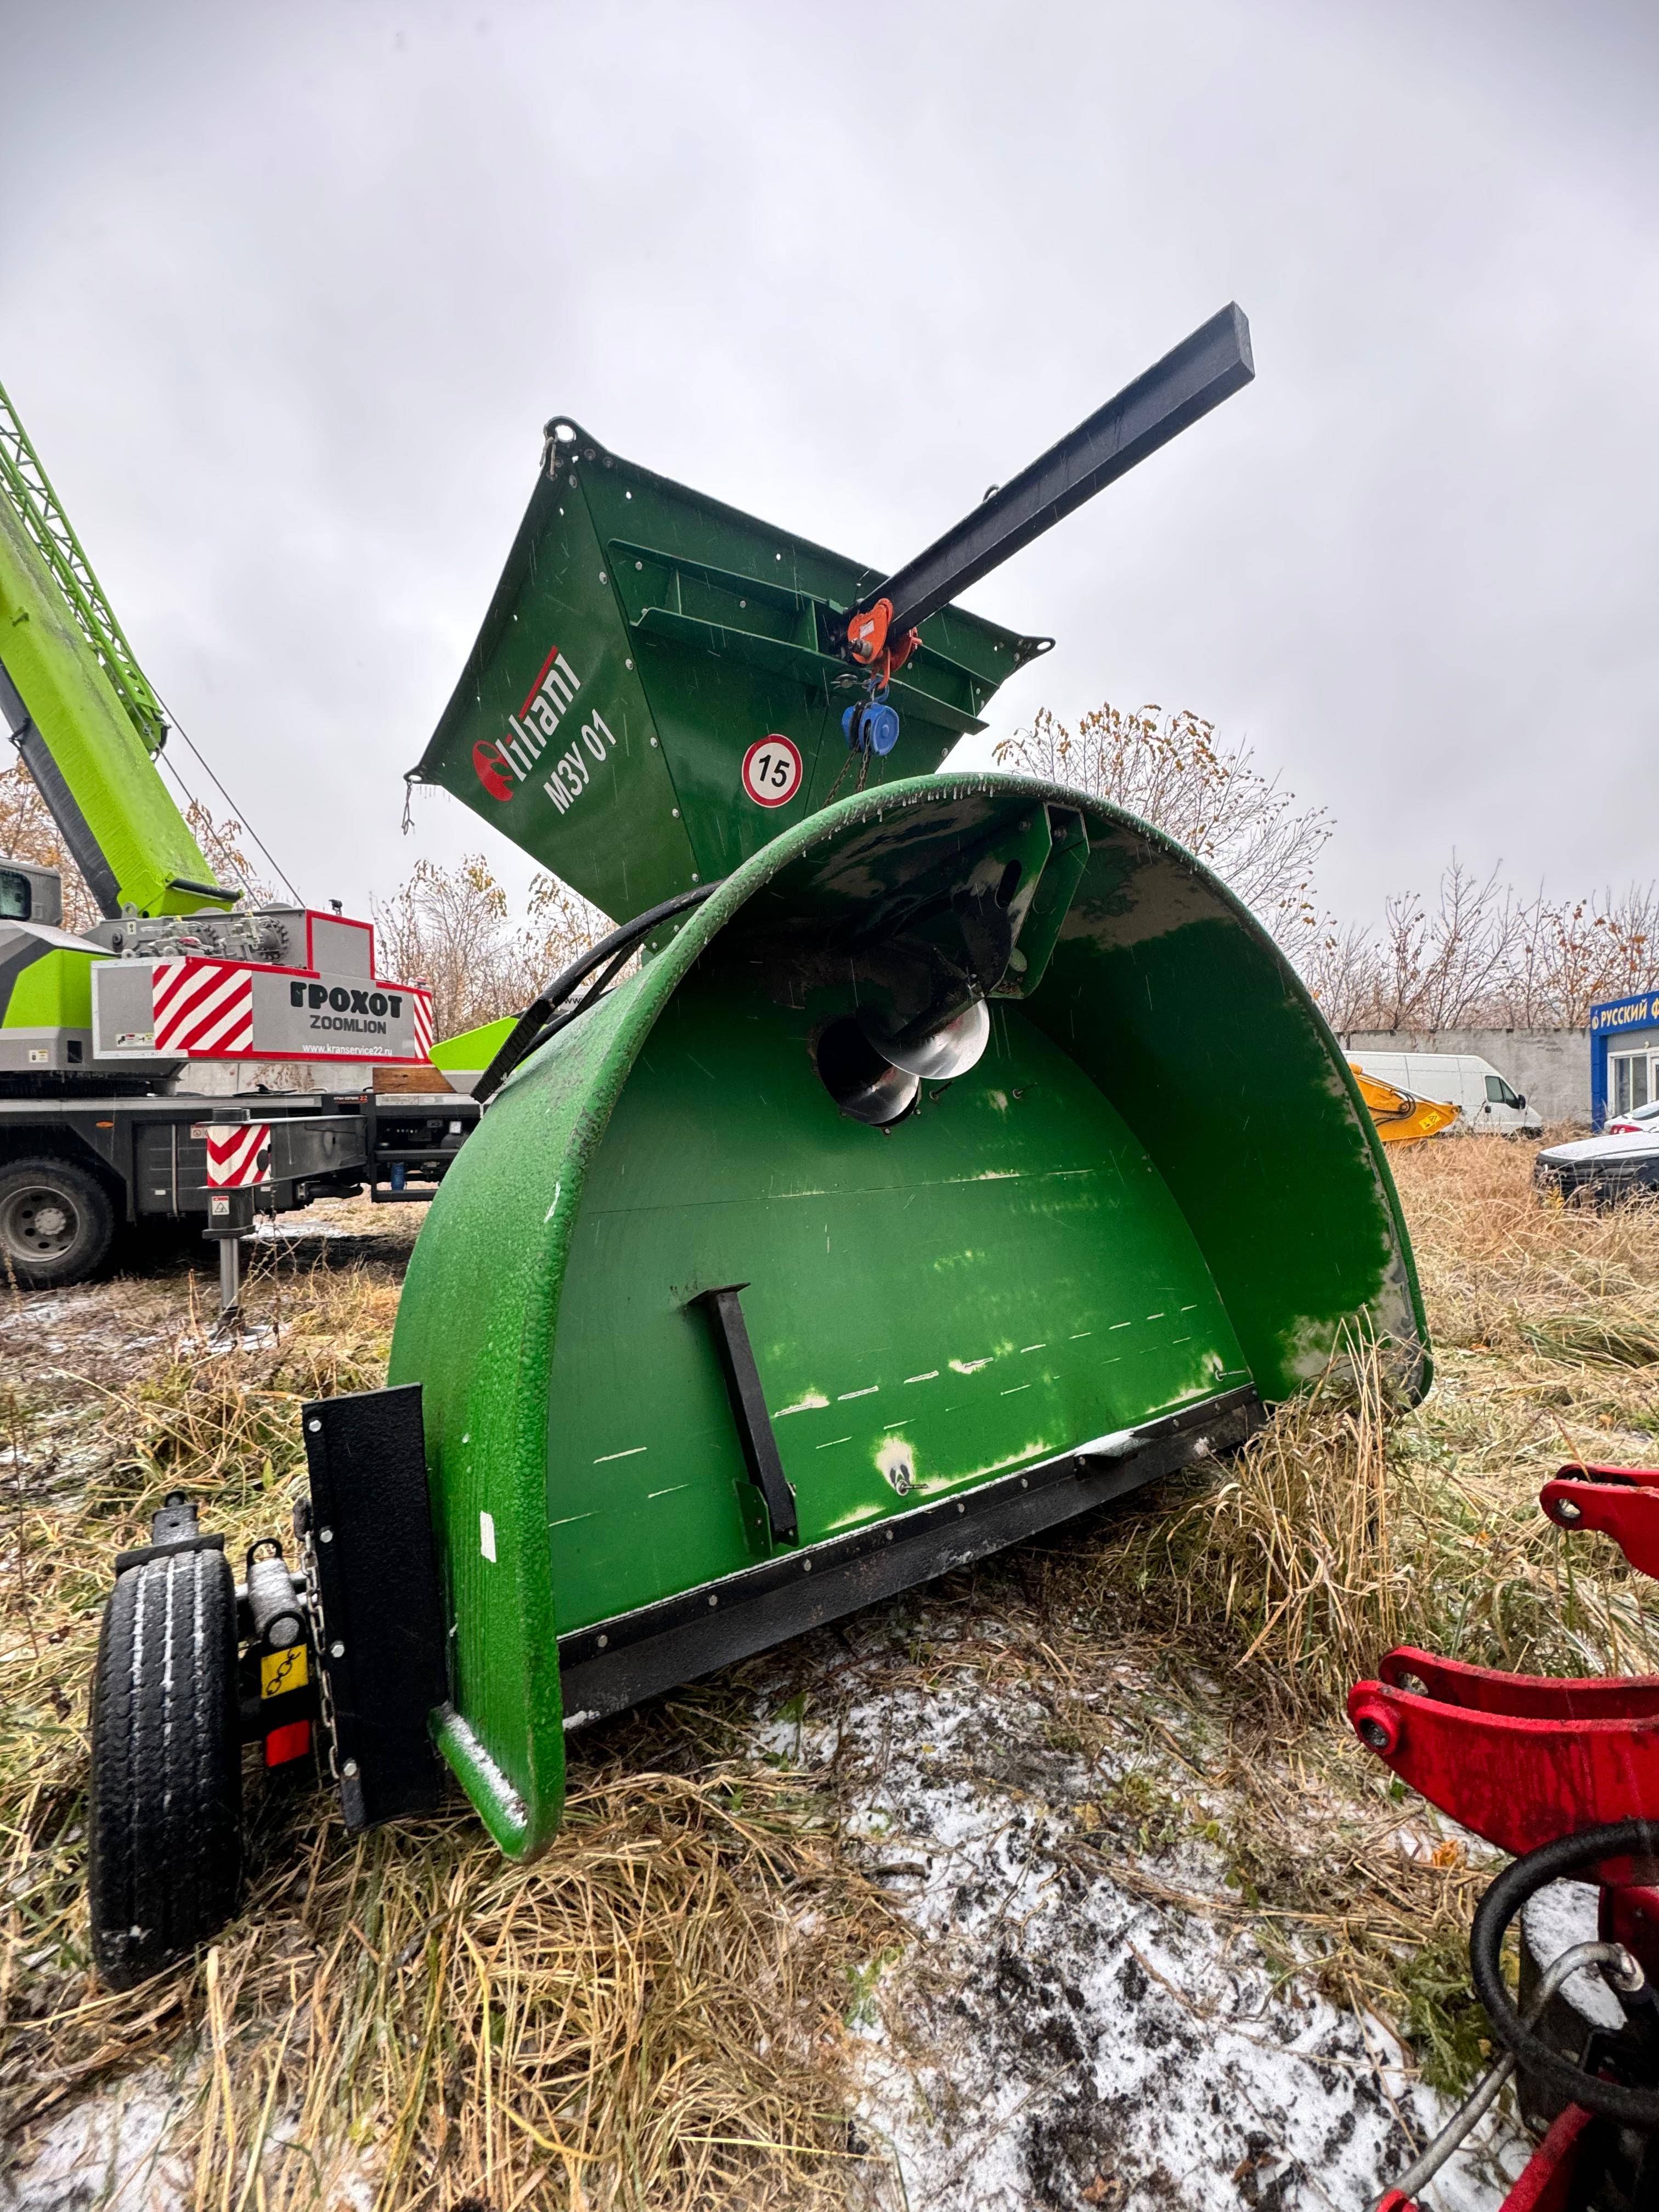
<point>760,1446</point>
<point>380,1632</point>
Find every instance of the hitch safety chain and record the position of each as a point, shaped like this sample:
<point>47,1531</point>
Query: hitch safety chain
<point>305,1531</point>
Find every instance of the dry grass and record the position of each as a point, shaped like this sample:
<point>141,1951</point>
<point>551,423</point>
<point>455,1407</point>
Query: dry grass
<point>654,2016</point>
<point>635,2021</point>
<point>630,2022</point>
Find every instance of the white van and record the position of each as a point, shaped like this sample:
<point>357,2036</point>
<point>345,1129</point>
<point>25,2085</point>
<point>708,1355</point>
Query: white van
<point>1485,1101</point>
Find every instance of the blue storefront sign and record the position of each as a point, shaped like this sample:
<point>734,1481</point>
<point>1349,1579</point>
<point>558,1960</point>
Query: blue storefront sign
<point>1624,1035</point>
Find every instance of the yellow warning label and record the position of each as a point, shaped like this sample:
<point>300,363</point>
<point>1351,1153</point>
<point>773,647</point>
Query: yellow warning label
<point>283,1670</point>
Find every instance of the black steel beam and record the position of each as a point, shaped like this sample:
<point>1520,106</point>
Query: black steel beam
<point>618,1662</point>
<point>760,1443</point>
<point>1203,370</point>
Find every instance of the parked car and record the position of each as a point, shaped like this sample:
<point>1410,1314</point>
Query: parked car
<point>1608,1167</point>
<point>1636,1122</point>
<point>1484,1101</point>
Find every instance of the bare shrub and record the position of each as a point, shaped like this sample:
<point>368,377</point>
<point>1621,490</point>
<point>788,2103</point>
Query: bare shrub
<point>453,928</point>
<point>28,833</point>
<point>1170,770</point>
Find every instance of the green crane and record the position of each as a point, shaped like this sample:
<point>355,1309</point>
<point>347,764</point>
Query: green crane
<point>104,1114</point>
<point>80,711</point>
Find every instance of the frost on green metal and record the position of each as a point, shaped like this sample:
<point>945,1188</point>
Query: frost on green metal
<point>1159,1183</point>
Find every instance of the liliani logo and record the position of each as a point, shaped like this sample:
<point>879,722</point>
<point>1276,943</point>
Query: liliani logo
<point>536,721</point>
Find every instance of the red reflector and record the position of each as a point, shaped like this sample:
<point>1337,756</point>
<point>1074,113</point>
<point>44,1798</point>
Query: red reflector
<point>283,1744</point>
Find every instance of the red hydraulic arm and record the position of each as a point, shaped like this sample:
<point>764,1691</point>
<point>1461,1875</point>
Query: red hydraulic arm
<point>1527,1761</point>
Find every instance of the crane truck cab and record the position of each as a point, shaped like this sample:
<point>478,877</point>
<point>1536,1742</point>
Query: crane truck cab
<point>30,894</point>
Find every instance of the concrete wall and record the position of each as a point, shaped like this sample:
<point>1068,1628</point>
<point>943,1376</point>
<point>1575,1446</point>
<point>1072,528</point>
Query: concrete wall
<point>1550,1067</point>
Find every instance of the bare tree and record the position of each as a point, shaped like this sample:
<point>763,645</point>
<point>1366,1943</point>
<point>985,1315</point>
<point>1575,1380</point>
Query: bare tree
<point>1603,947</point>
<point>1339,967</point>
<point>1483,957</point>
<point>1169,769</point>
<point>453,928</point>
<point>28,832</point>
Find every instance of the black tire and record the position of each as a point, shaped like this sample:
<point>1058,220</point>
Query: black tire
<point>56,1223</point>
<point>165,1816</point>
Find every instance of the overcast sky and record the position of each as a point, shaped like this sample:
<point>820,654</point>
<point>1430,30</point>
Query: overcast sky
<point>287,292</point>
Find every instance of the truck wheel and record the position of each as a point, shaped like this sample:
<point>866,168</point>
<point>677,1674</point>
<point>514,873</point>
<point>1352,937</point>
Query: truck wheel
<point>56,1223</point>
<point>165,1813</point>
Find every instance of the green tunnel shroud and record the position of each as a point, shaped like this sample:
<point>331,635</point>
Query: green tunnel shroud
<point>1163,1149</point>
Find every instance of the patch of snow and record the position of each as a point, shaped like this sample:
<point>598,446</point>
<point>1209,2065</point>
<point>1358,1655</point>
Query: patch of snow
<point>1565,1913</point>
<point>268,1231</point>
<point>108,2149</point>
<point>113,2151</point>
<point>240,1336</point>
<point>1063,2029</point>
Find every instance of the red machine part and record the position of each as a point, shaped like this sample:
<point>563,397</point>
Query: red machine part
<point>871,644</point>
<point>1544,2183</point>
<point>1521,1760</point>
<point>1525,1759</point>
<point>867,633</point>
<point>1620,1501</point>
<point>285,1744</point>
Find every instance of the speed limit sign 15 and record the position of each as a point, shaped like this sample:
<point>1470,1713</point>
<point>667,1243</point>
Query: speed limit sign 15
<point>772,771</point>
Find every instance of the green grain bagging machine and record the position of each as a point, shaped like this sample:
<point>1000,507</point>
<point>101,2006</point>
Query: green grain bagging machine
<point>927,1157</point>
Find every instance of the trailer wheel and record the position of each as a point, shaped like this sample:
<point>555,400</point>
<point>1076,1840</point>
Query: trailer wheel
<point>165,1815</point>
<point>56,1223</point>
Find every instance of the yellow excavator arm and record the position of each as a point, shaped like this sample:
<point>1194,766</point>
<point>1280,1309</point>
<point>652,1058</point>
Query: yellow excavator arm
<point>1401,1119</point>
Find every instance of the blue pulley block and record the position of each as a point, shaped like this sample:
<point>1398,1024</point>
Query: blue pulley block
<point>872,726</point>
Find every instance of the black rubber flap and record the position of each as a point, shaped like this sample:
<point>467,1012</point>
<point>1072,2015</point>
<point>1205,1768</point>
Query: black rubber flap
<point>377,1573</point>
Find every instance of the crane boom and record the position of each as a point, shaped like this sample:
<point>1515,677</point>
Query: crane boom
<point>38,507</point>
<point>79,708</point>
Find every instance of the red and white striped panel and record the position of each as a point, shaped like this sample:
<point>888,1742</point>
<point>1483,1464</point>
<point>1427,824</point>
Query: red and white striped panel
<point>421,1002</point>
<point>238,1154</point>
<point>202,1006</point>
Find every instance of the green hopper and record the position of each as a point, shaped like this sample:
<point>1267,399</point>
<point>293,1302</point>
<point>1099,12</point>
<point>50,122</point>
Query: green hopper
<point>956,1155</point>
